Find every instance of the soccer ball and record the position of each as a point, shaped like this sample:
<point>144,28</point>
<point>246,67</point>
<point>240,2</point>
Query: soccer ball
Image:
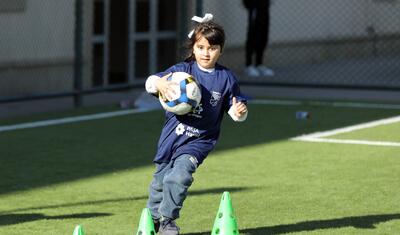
<point>187,94</point>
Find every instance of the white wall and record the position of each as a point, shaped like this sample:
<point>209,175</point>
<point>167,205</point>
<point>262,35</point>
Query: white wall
<point>43,31</point>
<point>299,20</point>
<point>232,16</point>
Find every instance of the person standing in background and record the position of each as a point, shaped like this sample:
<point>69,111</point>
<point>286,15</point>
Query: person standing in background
<point>257,37</point>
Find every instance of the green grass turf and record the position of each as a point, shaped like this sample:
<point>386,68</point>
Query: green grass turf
<point>96,174</point>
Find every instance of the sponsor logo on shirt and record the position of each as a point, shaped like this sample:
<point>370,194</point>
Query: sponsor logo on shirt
<point>180,129</point>
<point>188,131</point>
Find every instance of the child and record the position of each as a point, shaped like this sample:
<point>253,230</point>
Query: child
<point>186,140</point>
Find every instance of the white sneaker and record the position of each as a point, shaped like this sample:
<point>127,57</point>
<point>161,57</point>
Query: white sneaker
<point>265,71</point>
<point>252,71</point>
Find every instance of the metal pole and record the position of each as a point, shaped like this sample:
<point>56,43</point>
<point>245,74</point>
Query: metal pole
<point>153,37</point>
<point>199,7</point>
<point>131,41</point>
<point>78,50</point>
<point>106,49</point>
<point>183,27</point>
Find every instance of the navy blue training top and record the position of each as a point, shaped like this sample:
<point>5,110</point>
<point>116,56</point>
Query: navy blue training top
<point>197,132</point>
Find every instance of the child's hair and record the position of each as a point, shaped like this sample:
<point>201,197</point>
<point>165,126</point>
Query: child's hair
<point>213,32</point>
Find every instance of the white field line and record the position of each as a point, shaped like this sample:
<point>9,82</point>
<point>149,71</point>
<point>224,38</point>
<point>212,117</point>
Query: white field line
<point>319,136</point>
<point>339,141</point>
<point>321,103</point>
<point>276,102</point>
<point>70,120</point>
<point>353,128</point>
<point>356,105</point>
<point>126,112</point>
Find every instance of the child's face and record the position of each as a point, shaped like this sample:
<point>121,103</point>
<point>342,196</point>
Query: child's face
<point>206,55</point>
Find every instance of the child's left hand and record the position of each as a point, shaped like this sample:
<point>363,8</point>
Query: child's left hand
<point>238,107</point>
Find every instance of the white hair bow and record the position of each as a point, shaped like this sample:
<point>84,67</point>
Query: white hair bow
<point>207,17</point>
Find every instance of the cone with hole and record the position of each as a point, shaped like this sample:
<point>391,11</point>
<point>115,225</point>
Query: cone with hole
<point>225,221</point>
<point>78,230</point>
<point>146,225</point>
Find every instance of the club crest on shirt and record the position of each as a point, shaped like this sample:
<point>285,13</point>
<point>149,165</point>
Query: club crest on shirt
<point>196,112</point>
<point>215,97</point>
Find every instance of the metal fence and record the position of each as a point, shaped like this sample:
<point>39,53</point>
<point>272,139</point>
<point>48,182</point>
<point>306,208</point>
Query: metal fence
<point>71,48</point>
<point>353,44</point>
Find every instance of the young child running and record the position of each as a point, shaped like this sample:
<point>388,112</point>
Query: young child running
<point>186,140</point>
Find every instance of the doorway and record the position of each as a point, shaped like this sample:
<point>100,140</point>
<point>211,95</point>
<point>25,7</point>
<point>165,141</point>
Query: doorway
<point>132,39</point>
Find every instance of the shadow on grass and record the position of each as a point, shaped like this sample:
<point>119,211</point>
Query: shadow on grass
<point>10,219</point>
<point>38,157</point>
<point>124,199</point>
<point>360,222</point>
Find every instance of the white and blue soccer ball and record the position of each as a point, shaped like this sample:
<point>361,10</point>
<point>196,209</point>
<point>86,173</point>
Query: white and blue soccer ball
<point>187,94</point>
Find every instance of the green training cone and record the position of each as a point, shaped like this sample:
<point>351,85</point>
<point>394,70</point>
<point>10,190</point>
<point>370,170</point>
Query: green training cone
<point>146,225</point>
<point>78,230</point>
<point>225,221</point>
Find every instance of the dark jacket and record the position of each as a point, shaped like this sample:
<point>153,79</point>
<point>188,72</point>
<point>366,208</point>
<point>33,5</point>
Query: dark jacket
<point>259,4</point>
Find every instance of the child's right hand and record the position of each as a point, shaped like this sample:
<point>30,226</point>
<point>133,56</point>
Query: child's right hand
<point>165,87</point>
